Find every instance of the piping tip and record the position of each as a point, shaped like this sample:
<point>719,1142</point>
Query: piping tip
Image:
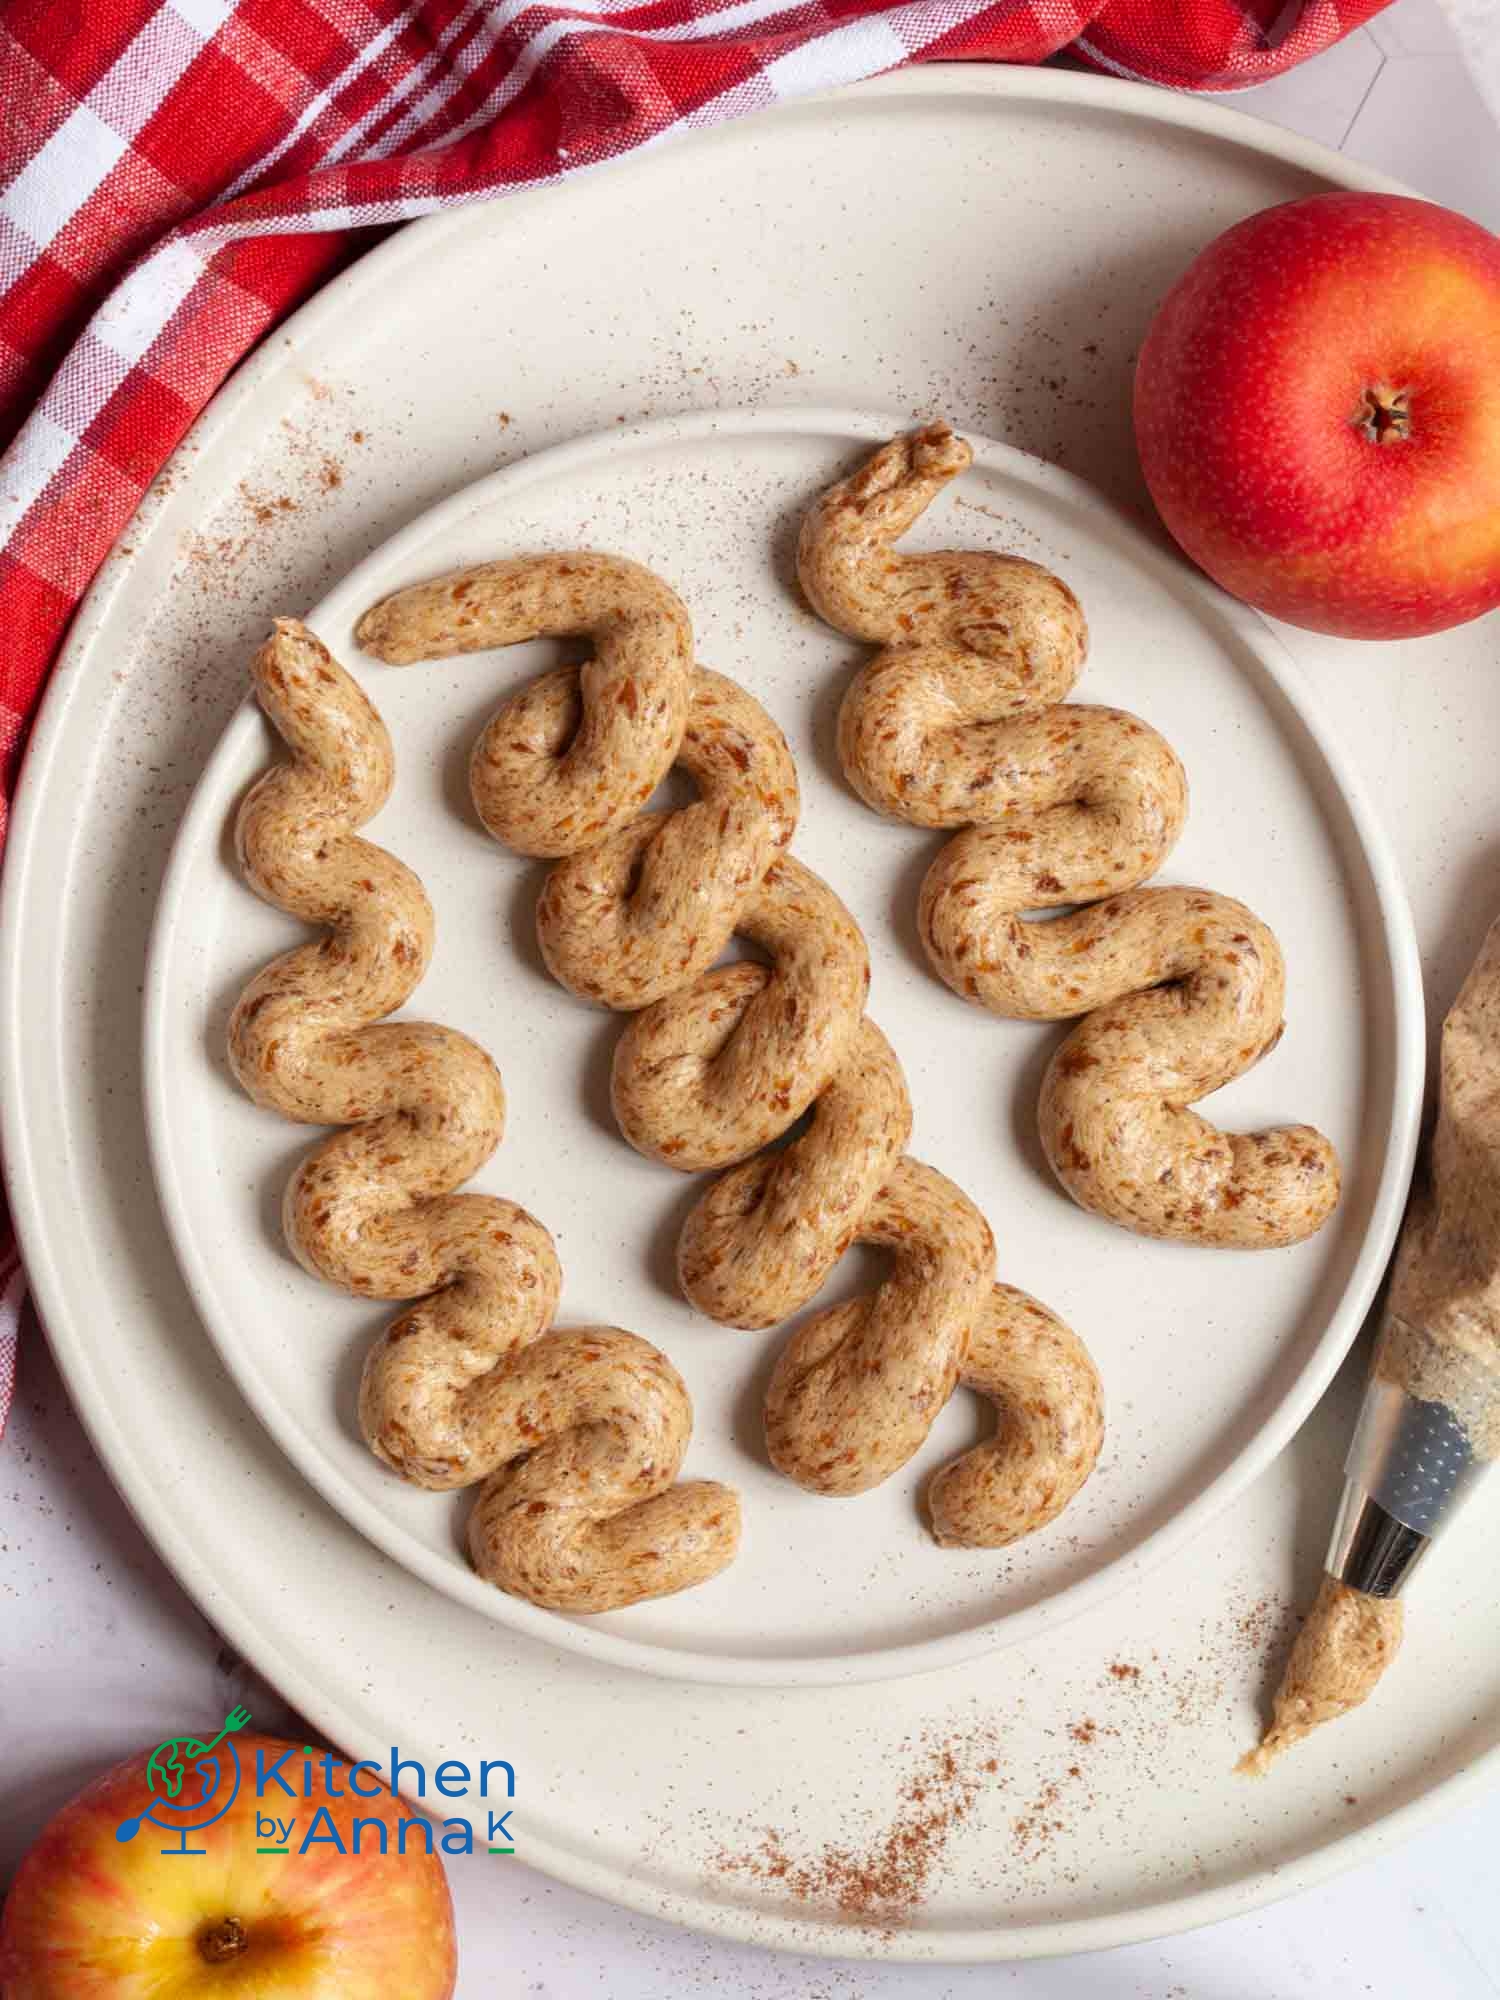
<point>1371,1550</point>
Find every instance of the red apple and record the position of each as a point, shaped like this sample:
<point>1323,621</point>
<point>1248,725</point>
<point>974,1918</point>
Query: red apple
<point>97,1915</point>
<point>1317,407</point>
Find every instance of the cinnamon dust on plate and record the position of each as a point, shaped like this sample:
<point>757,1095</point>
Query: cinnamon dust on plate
<point>879,1873</point>
<point>313,470</point>
<point>882,1879</point>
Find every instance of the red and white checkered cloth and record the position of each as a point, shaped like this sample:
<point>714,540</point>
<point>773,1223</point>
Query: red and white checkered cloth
<point>178,176</point>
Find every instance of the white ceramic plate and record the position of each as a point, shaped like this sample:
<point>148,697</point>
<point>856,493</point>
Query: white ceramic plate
<point>1210,1360</point>
<point>1053,210</point>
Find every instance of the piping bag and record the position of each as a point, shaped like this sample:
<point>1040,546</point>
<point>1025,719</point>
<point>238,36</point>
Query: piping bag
<point>1430,1423</point>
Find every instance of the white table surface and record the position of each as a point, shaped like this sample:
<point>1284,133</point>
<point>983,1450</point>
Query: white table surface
<point>101,1653</point>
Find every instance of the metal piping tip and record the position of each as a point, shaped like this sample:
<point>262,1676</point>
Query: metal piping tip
<point>1409,1470</point>
<point>1371,1550</point>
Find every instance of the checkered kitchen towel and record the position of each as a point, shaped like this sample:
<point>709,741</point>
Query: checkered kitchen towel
<point>177,176</point>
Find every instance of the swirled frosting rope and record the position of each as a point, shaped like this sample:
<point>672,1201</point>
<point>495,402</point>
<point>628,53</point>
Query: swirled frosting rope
<point>961,721</point>
<point>719,1061</point>
<point>574,1437</point>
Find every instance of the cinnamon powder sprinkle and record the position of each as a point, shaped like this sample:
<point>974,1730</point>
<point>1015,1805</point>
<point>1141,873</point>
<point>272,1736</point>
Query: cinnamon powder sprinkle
<point>264,507</point>
<point>881,1882</point>
<point>311,475</point>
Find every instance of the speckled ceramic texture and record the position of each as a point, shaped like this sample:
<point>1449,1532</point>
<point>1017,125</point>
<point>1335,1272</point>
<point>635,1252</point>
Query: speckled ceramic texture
<point>1209,1360</point>
<point>985,242</point>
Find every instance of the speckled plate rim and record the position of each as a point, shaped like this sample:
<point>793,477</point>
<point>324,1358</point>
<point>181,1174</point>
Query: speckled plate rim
<point>202,830</point>
<point>182,1543</point>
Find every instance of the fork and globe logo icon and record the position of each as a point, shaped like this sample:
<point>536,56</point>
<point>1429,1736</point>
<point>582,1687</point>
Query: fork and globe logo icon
<point>192,1784</point>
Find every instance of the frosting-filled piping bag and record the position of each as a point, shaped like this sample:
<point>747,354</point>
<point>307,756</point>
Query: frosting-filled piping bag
<point>1430,1423</point>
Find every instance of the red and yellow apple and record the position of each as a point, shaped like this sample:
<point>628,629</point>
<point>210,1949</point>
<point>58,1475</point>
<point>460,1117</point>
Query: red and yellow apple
<point>90,1917</point>
<point>1317,409</point>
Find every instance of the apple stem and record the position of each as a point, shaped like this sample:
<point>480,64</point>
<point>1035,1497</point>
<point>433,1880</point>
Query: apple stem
<point>1384,415</point>
<point>223,1941</point>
